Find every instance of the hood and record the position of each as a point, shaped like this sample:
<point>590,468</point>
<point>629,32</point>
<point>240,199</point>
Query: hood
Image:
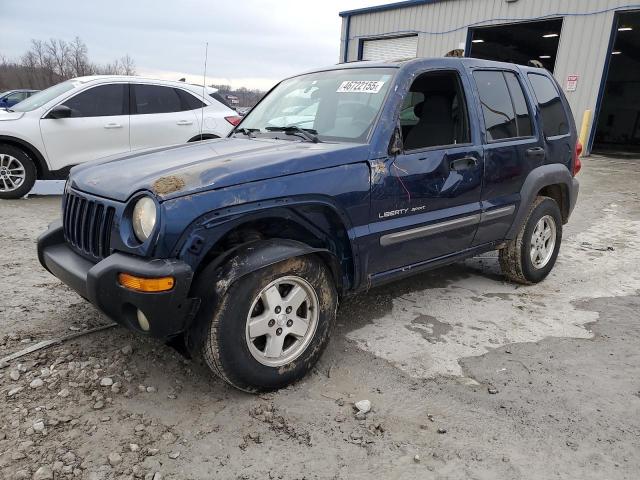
<point>5,115</point>
<point>171,172</point>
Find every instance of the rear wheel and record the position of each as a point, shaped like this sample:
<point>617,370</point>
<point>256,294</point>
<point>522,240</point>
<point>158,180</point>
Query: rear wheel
<point>17,172</point>
<point>530,256</point>
<point>271,326</point>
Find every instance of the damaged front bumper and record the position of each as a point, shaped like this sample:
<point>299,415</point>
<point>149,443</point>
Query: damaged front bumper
<point>164,314</point>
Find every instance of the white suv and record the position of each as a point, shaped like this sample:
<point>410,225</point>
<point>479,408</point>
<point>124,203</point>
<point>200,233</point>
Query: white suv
<point>87,118</point>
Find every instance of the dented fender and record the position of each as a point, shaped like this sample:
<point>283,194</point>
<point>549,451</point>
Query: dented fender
<point>253,256</point>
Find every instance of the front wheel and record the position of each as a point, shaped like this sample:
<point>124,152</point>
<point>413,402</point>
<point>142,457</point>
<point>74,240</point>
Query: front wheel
<point>271,326</point>
<point>530,256</point>
<point>17,172</point>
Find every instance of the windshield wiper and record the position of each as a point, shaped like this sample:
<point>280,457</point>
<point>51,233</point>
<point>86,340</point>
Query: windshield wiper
<point>247,131</point>
<point>307,133</point>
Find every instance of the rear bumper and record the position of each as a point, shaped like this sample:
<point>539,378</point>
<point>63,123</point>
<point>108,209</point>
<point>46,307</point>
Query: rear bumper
<point>575,188</point>
<point>169,313</point>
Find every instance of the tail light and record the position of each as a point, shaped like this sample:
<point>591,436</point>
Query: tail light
<point>234,120</point>
<point>577,164</point>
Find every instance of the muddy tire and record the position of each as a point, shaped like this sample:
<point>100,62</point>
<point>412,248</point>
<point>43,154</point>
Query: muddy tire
<point>270,327</point>
<point>17,172</point>
<point>531,255</point>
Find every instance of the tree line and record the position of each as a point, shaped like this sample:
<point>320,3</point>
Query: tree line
<point>247,97</point>
<point>52,61</point>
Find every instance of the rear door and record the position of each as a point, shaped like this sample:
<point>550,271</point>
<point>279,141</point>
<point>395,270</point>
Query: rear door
<point>557,124</point>
<point>512,148</point>
<point>160,116</point>
<point>98,126</point>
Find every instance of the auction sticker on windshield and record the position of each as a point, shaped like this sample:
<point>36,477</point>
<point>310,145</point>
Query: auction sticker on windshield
<point>360,86</point>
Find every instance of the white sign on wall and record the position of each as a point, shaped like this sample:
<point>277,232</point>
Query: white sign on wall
<point>572,83</point>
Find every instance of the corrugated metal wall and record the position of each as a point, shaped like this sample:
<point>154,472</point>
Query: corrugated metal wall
<point>442,26</point>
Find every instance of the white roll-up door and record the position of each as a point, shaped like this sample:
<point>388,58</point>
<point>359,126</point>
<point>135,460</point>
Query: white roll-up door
<point>390,48</point>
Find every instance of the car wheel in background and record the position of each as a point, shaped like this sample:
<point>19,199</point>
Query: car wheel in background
<point>204,136</point>
<point>530,256</point>
<point>17,172</point>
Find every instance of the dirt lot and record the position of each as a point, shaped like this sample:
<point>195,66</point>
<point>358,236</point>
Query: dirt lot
<point>468,376</point>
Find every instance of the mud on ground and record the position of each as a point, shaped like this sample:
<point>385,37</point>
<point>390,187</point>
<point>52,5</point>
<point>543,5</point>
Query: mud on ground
<point>469,376</point>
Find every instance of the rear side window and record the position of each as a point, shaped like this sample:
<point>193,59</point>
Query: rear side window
<point>189,102</point>
<point>554,117</point>
<point>523,117</point>
<point>497,109</point>
<point>219,98</point>
<point>157,99</point>
<point>101,101</point>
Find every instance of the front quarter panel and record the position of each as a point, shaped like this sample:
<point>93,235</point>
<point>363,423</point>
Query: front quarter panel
<point>25,128</point>
<point>209,215</point>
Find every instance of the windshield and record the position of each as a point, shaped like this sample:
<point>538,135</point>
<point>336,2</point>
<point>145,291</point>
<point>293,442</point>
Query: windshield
<point>45,96</point>
<point>338,105</point>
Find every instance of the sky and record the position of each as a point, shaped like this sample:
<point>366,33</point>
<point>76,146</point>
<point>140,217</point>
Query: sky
<point>251,43</point>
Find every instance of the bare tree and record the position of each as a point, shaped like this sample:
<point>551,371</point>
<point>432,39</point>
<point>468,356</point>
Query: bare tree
<point>49,62</point>
<point>79,58</point>
<point>58,51</point>
<point>128,65</point>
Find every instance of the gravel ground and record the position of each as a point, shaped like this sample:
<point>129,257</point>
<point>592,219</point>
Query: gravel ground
<point>468,376</point>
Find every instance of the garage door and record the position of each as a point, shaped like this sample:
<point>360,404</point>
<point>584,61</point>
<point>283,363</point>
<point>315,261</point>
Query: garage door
<point>390,48</point>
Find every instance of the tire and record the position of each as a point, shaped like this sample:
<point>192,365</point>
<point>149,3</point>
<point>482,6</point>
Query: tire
<point>225,342</point>
<point>203,137</point>
<point>17,172</point>
<point>516,259</point>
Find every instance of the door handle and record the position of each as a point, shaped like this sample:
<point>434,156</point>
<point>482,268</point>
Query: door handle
<point>535,152</point>
<point>184,122</point>
<point>112,125</point>
<point>464,163</point>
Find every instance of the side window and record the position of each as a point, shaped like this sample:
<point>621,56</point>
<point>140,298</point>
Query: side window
<point>434,112</point>
<point>219,98</point>
<point>157,99</point>
<point>189,102</point>
<point>16,97</point>
<point>554,117</point>
<point>497,109</point>
<point>101,101</point>
<point>523,117</point>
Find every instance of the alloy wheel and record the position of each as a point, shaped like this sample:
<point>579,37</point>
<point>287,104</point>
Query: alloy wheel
<point>282,321</point>
<point>12,173</point>
<point>543,241</point>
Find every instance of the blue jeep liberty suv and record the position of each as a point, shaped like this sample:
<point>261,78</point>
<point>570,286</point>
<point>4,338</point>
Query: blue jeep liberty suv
<point>339,180</point>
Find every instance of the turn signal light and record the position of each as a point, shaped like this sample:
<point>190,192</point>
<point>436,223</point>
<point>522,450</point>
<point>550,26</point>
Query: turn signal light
<point>235,120</point>
<point>140,284</point>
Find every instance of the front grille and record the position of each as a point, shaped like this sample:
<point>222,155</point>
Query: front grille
<point>87,225</point>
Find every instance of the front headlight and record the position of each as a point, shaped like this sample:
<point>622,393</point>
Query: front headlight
<point>144,218</point>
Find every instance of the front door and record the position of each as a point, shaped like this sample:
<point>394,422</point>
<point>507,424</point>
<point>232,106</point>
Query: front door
<point>426,199</point>
<point>98,127</point>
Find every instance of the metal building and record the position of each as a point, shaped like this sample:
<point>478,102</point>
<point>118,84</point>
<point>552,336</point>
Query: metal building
<point>591,46</point>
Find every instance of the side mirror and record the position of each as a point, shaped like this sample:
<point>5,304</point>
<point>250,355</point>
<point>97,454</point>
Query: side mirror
<point>60,111</point>
<point>395,145</point>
